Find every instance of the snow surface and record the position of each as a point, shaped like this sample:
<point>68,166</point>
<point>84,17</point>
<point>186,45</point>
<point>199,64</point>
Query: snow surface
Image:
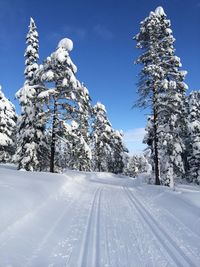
<point>82,219</point>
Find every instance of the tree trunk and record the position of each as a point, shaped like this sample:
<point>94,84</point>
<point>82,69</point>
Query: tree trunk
<point>53,138</point>
<point>156,159</point>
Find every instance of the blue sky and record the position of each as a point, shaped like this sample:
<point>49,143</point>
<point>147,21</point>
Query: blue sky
<point>104,51</point>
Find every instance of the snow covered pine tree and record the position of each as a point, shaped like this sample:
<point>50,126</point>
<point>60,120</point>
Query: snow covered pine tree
<point>7,128</point>
<point>67,98</point>
<point>194,137</point>
<point>30,139</point>
<point>118,152</point>
<point>101,137</point>
<point>161,86</point>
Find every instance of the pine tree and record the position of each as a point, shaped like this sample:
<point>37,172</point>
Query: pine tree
<point>66,100</point>
<point>194,136</point>
<point>83,150</point>
<point>138,164</point>
<point>78,149</point>
<point>101,136</point>
<point>118,153</point>
<point>31,53</point>
<point>161,86</point>
<point>132,169</point>
<point>7,128</point>
<point>31,124</point>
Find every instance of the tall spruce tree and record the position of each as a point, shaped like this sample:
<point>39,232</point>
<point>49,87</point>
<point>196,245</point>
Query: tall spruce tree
<point>31,124</point>
<point>7,128</point>
<point>162,87</point>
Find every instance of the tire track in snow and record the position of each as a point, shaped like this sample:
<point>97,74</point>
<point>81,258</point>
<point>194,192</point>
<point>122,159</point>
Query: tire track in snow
<point>162,236</point>
<point>89,254</point>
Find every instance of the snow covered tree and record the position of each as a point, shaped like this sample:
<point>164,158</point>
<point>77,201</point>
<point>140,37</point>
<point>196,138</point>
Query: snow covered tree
<point>101,136</point>
<point>83,150</point>
<point>31,53</point>
<point>132,168</point>
<point>31,124</point>
<point>67,99</point>
<point>149,136</point>
<point>162,87</point>
<point>7,128</point>
<point>194,136</point>
<point>118,153</point>
<point>138,164</point>
<point>79,152</point>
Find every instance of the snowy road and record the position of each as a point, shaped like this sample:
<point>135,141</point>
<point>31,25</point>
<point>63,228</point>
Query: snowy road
<point>94,220</point>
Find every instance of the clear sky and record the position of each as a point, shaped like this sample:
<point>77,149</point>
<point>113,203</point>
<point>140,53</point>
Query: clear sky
<point>104,51</point>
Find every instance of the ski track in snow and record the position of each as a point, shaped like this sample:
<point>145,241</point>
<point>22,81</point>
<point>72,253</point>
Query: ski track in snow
<point>95,220</point>
<point>91,236</point>
<point>174,251</point>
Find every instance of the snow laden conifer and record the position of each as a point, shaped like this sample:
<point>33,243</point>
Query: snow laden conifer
<point>101,136</point>
<point>78,149</point>
<point>82,154</point>
<point>30,139</point>
<point>116,161</point>
<point>194,137</point>
<point>66,100</point>
<point>7,128</point>
<point>138,164</point>
<point>162,87</point>
<point>31,53</point>
<point>132,167</point>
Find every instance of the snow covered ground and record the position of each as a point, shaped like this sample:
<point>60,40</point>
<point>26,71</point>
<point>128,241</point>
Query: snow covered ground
<point>95,220</point>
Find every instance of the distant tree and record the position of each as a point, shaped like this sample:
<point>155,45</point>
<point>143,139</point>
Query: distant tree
<point>101,136</point>
<point>138,164</point>
<point>133,166</point>
<point>116,161</point>
<point>7,128</point>
<point>194,136</point>
<point>161,86</point>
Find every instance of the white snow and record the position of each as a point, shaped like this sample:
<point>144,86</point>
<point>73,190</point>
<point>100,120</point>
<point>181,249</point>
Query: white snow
<point>60,54</point>
<point>74,125</point>
<point>66,44</point>
<point>160,11</point>
<point>47,93</point>
<point>101,106</point>
<point>83,219</point>
<point>4,139</point>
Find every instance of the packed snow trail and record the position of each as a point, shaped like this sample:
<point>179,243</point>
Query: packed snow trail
<point>95,220</point>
